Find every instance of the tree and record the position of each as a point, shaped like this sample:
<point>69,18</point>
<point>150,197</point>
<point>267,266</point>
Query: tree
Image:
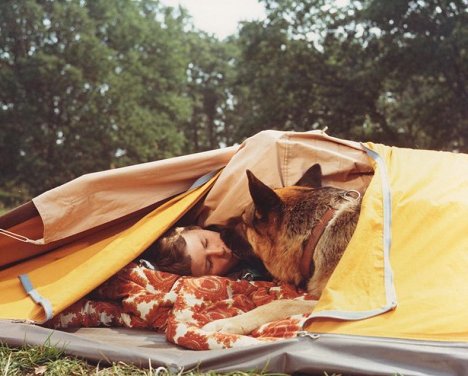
<point>209,81</point>
<point>87,85</point>
<point>392,72</point>
<point>422,46</point>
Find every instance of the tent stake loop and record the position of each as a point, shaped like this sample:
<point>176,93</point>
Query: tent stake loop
<point>303,333</point>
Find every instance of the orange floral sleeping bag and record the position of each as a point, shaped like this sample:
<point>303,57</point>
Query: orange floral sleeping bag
<point>139,297</point>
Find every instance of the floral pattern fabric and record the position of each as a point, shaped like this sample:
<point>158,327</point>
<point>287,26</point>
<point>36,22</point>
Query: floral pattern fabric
<point>138,297</point>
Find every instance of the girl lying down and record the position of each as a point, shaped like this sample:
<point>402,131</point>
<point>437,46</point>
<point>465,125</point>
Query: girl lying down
<point>180,288</point>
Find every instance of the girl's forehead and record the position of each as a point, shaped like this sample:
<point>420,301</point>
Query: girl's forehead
<point>193,241</point>
<point>194,249</point>
<point>201,233</point>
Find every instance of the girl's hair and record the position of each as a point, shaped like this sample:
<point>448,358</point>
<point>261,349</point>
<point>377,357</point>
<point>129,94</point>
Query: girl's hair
<point>168,252</point>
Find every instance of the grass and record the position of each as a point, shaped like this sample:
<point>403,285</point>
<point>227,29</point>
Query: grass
<point>51,361</point>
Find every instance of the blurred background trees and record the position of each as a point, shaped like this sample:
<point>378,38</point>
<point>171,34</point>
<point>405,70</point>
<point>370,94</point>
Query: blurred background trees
<point>390,71</point>
<point>91,85</point>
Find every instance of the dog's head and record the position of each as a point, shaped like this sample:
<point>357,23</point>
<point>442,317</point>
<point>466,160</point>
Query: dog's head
<point>281,222</point>
<point>270,208</point>
<point>280,219</point>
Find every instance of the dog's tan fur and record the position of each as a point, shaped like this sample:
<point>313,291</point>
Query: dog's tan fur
<point>277,226</point>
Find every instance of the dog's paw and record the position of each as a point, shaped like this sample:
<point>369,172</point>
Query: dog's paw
<point>229,325</point>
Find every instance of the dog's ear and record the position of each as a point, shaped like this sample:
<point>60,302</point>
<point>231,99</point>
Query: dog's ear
<point>264,197</point>
<point>312,177</point>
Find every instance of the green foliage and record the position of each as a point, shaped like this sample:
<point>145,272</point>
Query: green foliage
<point>86,86</point>
<point>210,75</point>
<point>388,71</point>
<point>38,360</point>
<point>424,60</point>
<point>53,361</point>
<point>90,85</point>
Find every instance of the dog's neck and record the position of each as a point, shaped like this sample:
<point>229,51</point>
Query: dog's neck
<point>319,228</point>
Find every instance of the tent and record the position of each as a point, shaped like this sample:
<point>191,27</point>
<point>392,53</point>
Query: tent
<point>395,304</point>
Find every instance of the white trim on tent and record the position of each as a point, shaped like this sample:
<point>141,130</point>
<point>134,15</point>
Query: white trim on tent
<point>390,294</point>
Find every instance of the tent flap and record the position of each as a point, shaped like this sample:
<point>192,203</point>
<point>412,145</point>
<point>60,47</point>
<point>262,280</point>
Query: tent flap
<point>119,192</point>
<point>428,253</point>
<point>396,303</point>
<point>67,273</point>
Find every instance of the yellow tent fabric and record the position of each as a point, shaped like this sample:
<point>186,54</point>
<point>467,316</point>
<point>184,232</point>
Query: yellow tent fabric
<point>428,253</point>
<point>74,242</point>
<point>69,272</point>
<point>415,289</point>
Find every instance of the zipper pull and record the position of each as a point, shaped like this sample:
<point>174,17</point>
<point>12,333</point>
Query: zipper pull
<point>303,333</point>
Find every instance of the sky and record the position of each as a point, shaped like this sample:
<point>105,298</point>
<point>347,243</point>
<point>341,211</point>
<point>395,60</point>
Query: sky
<point>220,17</point>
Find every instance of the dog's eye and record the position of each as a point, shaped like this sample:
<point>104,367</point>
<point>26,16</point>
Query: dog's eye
<point>256,221</point>
<point>257,215</point>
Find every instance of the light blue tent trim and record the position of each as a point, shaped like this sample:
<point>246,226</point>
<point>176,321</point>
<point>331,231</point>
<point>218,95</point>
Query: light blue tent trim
<point>202,180</point>
<point>387,226</point>
<point>390,293</point>
<point>34,294</point>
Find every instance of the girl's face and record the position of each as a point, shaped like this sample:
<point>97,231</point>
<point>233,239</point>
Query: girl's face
<point>209,254</point>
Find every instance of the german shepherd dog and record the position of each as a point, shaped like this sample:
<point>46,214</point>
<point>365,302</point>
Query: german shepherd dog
<point>299,233</point>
